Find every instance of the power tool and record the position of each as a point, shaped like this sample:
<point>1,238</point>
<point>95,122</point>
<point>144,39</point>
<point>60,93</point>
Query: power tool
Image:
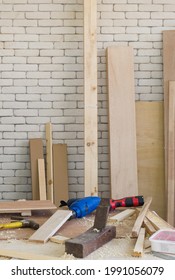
<point>83,206</point>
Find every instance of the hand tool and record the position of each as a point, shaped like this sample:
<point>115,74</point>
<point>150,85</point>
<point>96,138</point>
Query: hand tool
<point>84,206</point>
<point>95,237</point>
<point>20,224</point>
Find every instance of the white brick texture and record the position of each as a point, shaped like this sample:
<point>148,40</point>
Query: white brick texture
<point>41,78</point>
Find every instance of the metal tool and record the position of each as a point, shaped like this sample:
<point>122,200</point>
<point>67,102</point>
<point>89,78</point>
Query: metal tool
<point>20,223</point>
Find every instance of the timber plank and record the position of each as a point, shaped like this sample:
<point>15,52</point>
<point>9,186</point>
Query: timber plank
<point>139,246</point>
<point>157,221</point>
<point>90,99</point>
<point>25,205</point>
<point>42,179</point>
<point>50,227</point>
<point>25,255</point>
<point>36,152</point>
<point>122,123</point>
<point>60,173</point>
<point>123,215</point>
<point>49,161</point>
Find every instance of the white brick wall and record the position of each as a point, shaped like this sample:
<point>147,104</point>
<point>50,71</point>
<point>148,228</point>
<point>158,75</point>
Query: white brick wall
<point>41,78</point>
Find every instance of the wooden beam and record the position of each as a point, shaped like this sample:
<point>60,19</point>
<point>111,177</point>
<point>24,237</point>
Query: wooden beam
<point>138,223</point>
<point>49,162</point>
<point>139,246</point>
<point>148,226</point>
<point>50,227</point>
<point>36,152</point>
<point>60,173</point>
<point>171,156</point>
<point>122,122</point>
<point>90,99</point>
<point>42,179</point>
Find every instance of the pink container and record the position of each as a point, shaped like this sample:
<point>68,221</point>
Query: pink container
<point>163,241</point>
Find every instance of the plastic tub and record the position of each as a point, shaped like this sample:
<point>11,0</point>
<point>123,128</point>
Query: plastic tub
<point>163,241</point>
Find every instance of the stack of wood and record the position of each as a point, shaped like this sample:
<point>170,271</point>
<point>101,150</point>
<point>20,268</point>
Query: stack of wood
<point>50,180</point>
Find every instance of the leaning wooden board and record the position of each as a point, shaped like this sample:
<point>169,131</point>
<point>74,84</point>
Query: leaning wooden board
<point>25,205</point>
<point>168,75</point>
<point>150,153</point>
<point>50,227</point>
<point>36,152</point>
<point>122,124</point>
<point>171,156</point>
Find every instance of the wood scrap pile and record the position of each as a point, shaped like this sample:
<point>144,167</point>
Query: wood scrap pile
<point>147,223</point>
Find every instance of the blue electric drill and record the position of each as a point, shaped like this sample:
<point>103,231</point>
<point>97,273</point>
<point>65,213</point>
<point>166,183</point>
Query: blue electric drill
<point>82,206</point>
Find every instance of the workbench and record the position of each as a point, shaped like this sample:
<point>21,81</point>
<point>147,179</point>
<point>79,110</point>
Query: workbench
<point>120,247</point>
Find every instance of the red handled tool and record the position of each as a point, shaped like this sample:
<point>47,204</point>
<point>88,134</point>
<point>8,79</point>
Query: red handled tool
<point>132,201</point>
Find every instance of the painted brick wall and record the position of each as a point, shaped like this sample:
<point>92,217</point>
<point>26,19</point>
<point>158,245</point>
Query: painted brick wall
<point>41,78</point>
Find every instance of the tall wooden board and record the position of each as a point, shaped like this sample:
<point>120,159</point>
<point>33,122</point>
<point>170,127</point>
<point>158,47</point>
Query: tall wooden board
<point>150,153</point>
<point>49,161</point>
<point>171,156</point>
<point>42,179</point>
<point>168,75</point>
<point>36,152</point>
<point>60,173</point>
<point>122,123</point>
<point>90,99</point>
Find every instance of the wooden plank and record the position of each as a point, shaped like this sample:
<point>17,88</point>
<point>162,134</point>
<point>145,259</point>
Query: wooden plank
<point>157,221</point>
<point>90,99</point>
<point>122,124</point>
<point>50,227</point>
<point>150,153</point>
<point>36,152</point>
<point>139,246</point>
<point>60,173</point>
<point>168,75</point>
<point>25,255</point>
<point>123,215</point>
<point>25,205</point>
<point>171,156</point>
<point>59,239</point>
<point>49,163</point>
<point>149,227</point>
<point>138,223</point>
<point>42,179</point>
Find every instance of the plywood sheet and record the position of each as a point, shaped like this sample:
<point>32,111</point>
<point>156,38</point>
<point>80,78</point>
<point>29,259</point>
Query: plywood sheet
<point>150,153</point>
<point>60,173</point>
<point>122,123</point>
<point>36,152</point>
<point>90,99</point>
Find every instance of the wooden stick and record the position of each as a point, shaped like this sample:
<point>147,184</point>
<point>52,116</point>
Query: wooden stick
<point>49,161</point>
<point>149,227</point>
<point>90,98</point>
<point>139,246</point>
<point>123,215</point>
<point>138,223</point>
<point>42,179</point>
